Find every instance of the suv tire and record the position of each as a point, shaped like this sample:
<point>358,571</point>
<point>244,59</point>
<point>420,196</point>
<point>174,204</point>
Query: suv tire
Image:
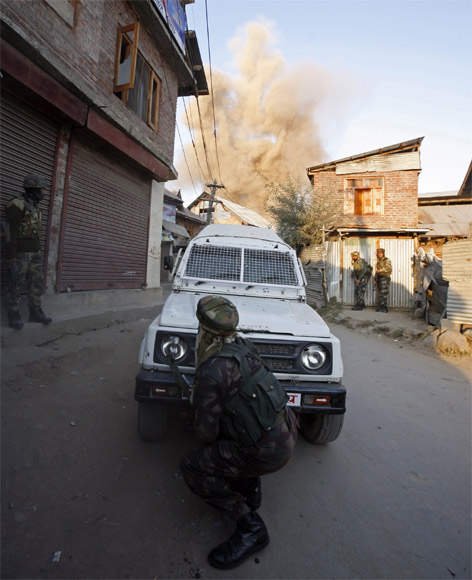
<point>152,421</point>
<point>320,429</point>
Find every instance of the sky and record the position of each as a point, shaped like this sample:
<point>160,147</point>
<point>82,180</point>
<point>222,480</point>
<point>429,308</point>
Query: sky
<point>296,83</point>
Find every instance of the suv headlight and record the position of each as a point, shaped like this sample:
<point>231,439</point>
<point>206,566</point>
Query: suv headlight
<point>313,357</point>
<point>174,346</point>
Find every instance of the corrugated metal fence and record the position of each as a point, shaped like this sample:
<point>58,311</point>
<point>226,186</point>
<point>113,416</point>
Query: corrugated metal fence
<point>340,285</point>
<point>457,269</point>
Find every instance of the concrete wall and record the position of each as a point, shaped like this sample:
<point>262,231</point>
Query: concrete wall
<point>153,275</point>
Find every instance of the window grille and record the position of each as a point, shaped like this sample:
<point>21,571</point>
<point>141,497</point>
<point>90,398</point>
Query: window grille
<point>269,267</point>
<point>215,263</point>
<point>224,263</point>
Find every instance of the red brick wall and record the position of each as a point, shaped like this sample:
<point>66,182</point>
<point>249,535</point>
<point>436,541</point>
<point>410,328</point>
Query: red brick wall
<point>85,55</point>
<point>400,198</point>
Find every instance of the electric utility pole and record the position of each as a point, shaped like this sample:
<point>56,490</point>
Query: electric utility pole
<point>214,186</point>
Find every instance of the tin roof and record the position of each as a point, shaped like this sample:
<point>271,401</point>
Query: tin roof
<point>249,216</point>
<point>175,229</point>
<point>403,147</point>
<point>445,220</point>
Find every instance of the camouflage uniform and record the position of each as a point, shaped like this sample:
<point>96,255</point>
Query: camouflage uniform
<point>361,272</point>
<point>211,470</point>
<point>24,252</point>
<point>383,272</point>
<point>225,472</point>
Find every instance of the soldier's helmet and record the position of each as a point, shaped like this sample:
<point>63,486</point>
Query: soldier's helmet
<point>34,181</point>
<point>355,254</point>
<point>217,315</point>
<point>381,250</point>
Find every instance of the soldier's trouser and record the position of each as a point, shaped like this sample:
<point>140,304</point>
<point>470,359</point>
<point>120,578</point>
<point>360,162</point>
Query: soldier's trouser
<point>29,266</point>
<point>359,292</point>
<point>383,286</point>
<point>208,470</point>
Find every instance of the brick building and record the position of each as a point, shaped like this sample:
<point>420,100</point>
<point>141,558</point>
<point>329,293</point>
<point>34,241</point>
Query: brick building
<point>376,197</point>
<point>89,96</point>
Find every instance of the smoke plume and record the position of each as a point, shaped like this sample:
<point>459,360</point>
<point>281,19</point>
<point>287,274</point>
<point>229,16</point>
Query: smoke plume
<point>265,119</point>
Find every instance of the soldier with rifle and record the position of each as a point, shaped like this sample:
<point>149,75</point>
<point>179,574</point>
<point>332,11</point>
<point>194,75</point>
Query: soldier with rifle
<point>383,273</point>
<point>361,272</point>
<point>241,415</point>
<point>24,256</point>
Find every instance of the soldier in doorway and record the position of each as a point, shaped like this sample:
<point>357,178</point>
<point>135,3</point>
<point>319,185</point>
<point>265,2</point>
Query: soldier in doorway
<point>24,257</point>
<point>383,273</point>
<point>361,272</point>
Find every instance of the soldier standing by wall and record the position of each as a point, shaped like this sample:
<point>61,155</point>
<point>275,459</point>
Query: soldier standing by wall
<point>361,272</point>
<point>241,415</point>
<point>24,257</point>
<point>383,272</point>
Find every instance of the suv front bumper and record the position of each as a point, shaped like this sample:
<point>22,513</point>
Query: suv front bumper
<point>154,386</point>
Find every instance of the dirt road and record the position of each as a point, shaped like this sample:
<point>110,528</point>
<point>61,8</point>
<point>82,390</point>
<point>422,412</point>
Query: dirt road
<point>84,497</point>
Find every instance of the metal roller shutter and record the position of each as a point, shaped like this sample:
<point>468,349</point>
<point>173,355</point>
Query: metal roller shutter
<point>105,239</point>
<point>29,141</point>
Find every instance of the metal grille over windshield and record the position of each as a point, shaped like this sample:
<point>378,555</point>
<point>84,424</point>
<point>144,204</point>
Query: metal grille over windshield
<point>224,263</point>
<point>214,262</point>
<point>269,267</point>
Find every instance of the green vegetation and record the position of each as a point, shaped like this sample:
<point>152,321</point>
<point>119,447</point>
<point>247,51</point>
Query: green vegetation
<point>298,216</point>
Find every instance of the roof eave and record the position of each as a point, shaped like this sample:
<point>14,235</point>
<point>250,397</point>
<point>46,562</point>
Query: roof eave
<point>413,144</point>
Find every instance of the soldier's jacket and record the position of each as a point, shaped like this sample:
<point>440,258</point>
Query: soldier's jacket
<point>384,267</point>
<point>218,384</point>
<point>361,269</point>
<point>23,227</point>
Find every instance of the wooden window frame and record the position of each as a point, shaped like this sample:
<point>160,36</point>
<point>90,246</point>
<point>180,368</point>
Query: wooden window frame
<point>363,196</point>
<point>121,38</point>
<point>154,99</point>
<point>151,107</point>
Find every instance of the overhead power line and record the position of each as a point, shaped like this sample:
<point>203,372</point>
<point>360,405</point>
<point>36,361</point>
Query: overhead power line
<point>211,89</point>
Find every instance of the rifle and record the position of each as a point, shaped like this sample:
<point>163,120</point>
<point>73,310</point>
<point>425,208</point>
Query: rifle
<point>183,382</point>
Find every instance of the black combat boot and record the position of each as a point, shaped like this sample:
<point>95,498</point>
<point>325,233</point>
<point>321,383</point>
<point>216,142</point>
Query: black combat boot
<point>250,536</point>
<point>250,489</point>
<point>356,308</point>
<point>14,319</point>
<point>37,315</point>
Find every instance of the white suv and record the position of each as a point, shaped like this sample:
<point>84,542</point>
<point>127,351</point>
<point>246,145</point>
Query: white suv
<point>264,279</point>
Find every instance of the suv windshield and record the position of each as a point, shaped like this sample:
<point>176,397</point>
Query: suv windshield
<point>240,264</point>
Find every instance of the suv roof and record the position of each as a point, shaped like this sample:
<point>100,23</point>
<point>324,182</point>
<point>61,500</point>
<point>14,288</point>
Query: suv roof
<point>235,231</point>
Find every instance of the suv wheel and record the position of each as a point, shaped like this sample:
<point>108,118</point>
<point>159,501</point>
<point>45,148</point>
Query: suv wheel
<point>320,429</point>
<point>152,421</point>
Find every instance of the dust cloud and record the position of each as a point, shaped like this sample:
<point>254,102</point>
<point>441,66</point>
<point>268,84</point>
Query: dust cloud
<point>265,121</point>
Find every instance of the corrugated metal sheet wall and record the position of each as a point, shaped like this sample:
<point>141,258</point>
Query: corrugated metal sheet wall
<point>459,302</point>
<point>402,286</point>
<point>105,240</point>
<point>333,270</point>
<point>457,269</point>
<point>338,267</point>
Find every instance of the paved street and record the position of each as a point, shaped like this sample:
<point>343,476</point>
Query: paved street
<point>83,497</point>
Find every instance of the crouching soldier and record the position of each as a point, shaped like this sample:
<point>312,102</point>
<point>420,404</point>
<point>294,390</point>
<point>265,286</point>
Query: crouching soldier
<point>361,272</point>
<point>247,429</point>
<point>383,273</point>
<point>24,257</point>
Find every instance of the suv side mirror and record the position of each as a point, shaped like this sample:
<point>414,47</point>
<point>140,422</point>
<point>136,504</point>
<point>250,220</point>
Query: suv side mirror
<point>168,262</point>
